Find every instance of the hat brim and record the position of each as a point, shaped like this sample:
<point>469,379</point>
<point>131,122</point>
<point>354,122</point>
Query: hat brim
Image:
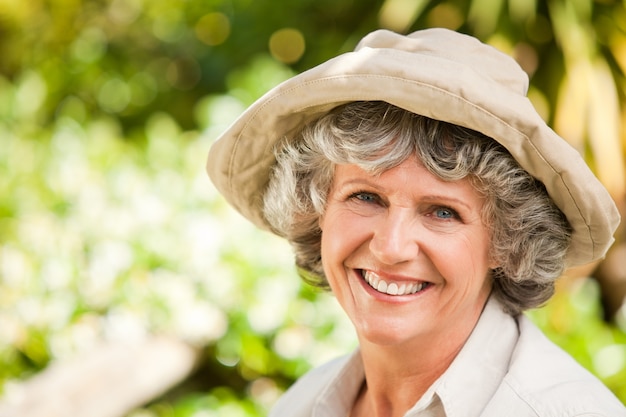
<point>435,86</point>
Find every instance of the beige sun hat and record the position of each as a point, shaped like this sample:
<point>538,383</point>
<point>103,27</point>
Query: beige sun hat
<point>437,73</point>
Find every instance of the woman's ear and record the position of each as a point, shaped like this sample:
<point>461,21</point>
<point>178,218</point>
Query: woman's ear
<point>493,263</point>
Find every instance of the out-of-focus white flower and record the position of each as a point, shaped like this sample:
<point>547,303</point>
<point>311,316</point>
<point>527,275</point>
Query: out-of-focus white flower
<point>200,323</point>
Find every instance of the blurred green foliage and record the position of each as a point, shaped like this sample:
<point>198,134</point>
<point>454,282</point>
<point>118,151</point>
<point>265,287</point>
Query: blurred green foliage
<point>110,228</point>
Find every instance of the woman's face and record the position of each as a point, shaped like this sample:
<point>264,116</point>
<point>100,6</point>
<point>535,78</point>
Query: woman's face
<point>405,253</point>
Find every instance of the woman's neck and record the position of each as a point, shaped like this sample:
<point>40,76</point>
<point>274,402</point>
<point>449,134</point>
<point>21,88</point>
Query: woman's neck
<point>398,376</point>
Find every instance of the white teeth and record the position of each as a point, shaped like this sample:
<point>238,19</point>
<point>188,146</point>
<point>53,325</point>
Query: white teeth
<point>392,288</point>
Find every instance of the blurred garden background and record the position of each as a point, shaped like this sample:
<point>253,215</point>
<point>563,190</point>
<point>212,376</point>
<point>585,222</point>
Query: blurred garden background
<point>121,268</point>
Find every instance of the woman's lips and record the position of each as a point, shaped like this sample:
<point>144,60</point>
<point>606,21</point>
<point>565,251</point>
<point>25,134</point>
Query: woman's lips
<point>390,287</point>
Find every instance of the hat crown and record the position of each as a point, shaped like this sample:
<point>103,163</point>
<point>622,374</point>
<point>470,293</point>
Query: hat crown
<point>461,49</point>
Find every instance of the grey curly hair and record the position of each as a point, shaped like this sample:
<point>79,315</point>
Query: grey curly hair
<point>529,234</point>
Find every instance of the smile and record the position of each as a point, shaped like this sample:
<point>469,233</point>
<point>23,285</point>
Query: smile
<point>392,288</point>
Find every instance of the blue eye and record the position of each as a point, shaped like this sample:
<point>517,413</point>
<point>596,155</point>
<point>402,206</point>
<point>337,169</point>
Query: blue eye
<point>365,197</point>
<point>445,213</point>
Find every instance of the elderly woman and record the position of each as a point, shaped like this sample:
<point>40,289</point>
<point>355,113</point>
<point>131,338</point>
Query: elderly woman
<point>415,180</point>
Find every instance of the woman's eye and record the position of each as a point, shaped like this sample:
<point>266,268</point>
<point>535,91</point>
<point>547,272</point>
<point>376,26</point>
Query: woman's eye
<point>445,213</point>
<point>365,197</point>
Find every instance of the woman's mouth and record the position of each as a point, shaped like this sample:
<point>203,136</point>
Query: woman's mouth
<point>391,287</point>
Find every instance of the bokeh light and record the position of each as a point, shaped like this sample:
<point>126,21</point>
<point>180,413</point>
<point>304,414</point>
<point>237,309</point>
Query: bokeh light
<point>213,28</point>
<point>287,45</point>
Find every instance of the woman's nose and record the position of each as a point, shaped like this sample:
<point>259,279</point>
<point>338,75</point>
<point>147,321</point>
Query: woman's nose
<point>394,241</point>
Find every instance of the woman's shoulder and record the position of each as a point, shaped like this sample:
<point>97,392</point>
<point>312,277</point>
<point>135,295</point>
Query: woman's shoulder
<point>544,381</point>
<point>310,389</point>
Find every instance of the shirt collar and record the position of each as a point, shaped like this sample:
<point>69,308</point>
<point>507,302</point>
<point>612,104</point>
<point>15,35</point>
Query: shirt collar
<point>338,397</point>
<point>476,373</point>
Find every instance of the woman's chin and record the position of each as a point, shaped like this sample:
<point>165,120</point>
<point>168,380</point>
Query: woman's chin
<point>390,332</point>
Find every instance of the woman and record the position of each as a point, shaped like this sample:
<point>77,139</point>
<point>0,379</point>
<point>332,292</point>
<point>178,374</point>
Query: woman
<point>414,178</point>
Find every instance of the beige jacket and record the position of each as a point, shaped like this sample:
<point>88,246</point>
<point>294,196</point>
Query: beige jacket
<point>507,368</point>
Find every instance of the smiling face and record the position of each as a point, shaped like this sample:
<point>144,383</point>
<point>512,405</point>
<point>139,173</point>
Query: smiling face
<point>406,254</point>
